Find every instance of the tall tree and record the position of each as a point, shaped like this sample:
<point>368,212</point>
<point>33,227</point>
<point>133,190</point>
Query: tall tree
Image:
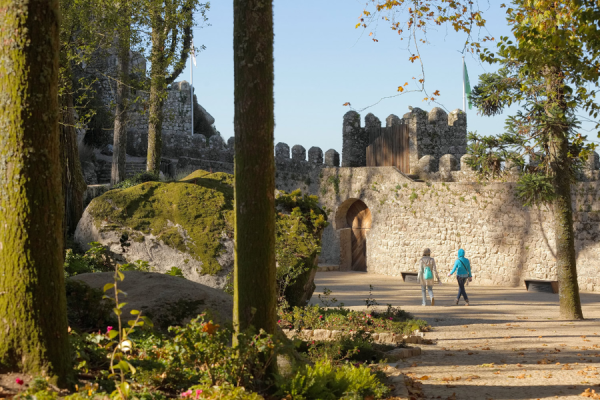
<point>254,301</point>
<point>33,337</point>
<point>171,22</point>
<point>120,125</point>
<point>552,70</point>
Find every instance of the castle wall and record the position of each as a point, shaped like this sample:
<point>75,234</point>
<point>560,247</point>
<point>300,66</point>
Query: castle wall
<point>432,134</point>
<point>505,241</point>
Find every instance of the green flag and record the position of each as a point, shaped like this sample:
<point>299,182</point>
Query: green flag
<point>466,84</point>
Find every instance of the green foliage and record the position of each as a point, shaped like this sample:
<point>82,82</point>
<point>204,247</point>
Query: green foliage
<point>299,225</point>
<point>139,265</point>
<point>87,311</point>
<point>535,189</point>
<point>138,178</point>
<point>174,271</point>
<point>392,319</point>
<point>324,381</point>
<point>225,392</point>
<point>201,354</point>
<point>94,260</point>
<point>335,181</point>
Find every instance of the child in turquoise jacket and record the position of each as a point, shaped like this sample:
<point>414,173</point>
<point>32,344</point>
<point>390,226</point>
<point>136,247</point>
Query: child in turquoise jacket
<point>462,267</point>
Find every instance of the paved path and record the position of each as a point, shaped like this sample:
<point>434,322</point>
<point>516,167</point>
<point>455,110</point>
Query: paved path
<point>509,344</point>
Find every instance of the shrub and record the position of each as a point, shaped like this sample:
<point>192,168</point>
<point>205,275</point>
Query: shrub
<point>94,260</point>
<point>135,180</point>
<point>226,392</point>
<point>327,382</point>
<point>200,353</point>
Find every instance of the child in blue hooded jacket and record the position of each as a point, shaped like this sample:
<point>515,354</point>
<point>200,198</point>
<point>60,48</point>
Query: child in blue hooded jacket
<point>462,266</point>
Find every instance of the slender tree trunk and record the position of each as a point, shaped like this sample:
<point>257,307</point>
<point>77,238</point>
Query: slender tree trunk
<point>72,179</point>
<point>566,260</point>
<point>157,91</point>
<point>118,172</point>
<point>254,301</point>
<point>33,321</point>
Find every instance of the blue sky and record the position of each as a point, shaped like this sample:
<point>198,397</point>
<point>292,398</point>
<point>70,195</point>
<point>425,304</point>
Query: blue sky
<point>322,61</point>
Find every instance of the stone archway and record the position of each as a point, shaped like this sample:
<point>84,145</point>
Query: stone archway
<point>353,221</point>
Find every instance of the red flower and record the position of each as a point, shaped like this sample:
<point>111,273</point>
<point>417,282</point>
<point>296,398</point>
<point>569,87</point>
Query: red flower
<point>19,381</point>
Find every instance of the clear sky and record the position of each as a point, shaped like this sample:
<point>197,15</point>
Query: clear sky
<point>322,62</point>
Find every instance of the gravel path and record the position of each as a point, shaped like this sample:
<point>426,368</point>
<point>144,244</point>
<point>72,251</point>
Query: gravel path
<point>509,344</point>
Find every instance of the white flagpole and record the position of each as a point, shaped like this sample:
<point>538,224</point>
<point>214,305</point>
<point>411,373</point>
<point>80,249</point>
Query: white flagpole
<point>464,87</point>
<point>192,91</point>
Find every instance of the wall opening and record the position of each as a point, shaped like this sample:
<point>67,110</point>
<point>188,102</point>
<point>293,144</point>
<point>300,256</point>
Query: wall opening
<point>353,221</point>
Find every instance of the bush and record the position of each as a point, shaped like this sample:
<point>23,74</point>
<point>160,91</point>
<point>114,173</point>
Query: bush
<point>299,226</point>
<point>326,382</point>
<point>200,353</point>
<point>225,392</point>
<point>94,260</point>
<point>135,180</point>
<point>393,319</point>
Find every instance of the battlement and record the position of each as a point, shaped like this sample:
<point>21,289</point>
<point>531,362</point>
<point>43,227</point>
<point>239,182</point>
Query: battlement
<point>433,133</point>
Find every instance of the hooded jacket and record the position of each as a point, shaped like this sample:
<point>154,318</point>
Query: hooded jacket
<point>462,266</point>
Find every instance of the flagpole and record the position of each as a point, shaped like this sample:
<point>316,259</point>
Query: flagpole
<point>192,92</point>
<point>464,88</point>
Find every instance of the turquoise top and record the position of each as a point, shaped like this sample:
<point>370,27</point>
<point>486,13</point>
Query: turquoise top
<point>462,266</point>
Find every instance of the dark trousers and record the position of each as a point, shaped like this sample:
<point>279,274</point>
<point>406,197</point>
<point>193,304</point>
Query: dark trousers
<point>461,288</point>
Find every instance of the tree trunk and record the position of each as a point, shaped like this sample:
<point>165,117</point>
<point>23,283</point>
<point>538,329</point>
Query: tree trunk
<point>118,172</point>
<point>254,275</point>
<point>33,337</point>
<point>72,177</point>
<point>157,91</point>
<point>566,260</point>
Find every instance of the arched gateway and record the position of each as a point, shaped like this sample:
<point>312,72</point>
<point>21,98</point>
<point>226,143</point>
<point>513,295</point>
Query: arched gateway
<point>353,221</point>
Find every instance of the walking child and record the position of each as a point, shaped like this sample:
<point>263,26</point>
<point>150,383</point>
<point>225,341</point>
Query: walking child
<point>462,266</point>
<point>427,269</point>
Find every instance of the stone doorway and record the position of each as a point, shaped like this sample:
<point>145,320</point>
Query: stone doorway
<point>353,220</point>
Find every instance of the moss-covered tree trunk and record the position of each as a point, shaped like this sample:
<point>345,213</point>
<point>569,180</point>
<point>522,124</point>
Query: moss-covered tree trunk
<point>566,260</point>
<point>254,276</point>
<point>157,89</point>
<point>119,157</point>
<point>72,177</point>
<point>33,333</point>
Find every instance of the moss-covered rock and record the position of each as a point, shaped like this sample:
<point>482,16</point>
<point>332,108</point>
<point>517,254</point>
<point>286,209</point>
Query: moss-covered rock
<point>189,225</point>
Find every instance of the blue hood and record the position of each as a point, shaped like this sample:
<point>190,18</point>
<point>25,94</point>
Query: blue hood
<point>461,253</point>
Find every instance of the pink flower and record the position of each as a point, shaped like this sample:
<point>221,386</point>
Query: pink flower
<point>320,317</point>
<point>186,393</point>
<point>391,318</point>
<point>279,321</point>
<point>109,328</point>
<point>19,381</point>
<point>198,391</point>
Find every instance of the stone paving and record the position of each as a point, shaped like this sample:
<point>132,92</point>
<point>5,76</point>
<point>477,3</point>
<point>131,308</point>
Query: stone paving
<point>509,344</point>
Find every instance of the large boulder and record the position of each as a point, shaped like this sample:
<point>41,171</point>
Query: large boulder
<point>186,224</point>
<point>189,225</point>
<point>166,300</point>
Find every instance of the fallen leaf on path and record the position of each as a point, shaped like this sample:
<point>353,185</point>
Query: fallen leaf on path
<point>590,393</point>
<point>470,354</point>
<point>485,348</point>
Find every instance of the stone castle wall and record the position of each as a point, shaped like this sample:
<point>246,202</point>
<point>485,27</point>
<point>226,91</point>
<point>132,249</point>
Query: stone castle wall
<point>432,136</point>
<point>505,241</point>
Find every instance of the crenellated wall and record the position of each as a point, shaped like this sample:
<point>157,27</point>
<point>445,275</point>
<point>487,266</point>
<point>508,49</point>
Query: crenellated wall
<point>433,135</point>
